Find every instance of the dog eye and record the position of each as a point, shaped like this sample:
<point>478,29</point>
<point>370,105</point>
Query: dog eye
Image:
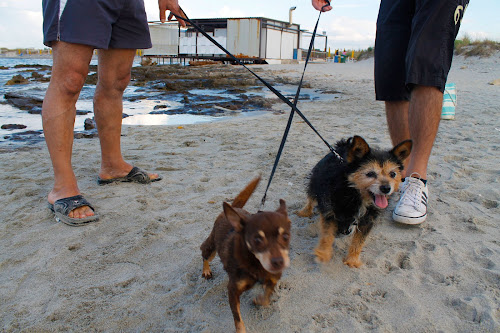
<point>286,237</point>
<point>392,174</point>
<point>371,174</point>
<point>257,240</point>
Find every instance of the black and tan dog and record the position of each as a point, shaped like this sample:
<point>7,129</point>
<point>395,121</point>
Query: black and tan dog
<point>351,192</point>
<point>252,247</point>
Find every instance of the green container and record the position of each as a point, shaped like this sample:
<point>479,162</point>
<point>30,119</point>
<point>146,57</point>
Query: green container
<point>342,59</point>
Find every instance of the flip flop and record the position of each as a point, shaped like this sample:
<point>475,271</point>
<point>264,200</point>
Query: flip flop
<point>62,207</point>
<point>135,175</point>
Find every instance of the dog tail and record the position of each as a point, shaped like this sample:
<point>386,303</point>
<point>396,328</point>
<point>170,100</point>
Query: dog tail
<point>242,198</point>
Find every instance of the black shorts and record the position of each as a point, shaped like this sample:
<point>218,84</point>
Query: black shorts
<point>102,24</point>
<point>414,45</point>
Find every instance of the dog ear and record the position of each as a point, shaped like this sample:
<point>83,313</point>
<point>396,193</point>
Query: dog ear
<point>402,150</point>
<point>282,208</point>
<point>358,149</point>
<point>233,217</point>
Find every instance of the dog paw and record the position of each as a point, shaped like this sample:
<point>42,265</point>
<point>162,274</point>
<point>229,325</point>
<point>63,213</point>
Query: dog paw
<point>240,327</point>
<point>323,256</point>
<point>261,300</point>
<point>353,262</point>
<point>207,275</point>
<point>303,213</point>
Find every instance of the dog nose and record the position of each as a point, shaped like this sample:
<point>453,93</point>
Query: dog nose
<point>385,189</point>
<point>277,262</point>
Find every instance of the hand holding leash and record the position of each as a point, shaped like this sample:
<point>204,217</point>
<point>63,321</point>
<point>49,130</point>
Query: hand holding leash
<point>174,8</point>
<point>322,5</point>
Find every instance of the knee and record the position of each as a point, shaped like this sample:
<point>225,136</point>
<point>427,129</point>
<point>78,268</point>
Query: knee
<point>71,83</point>
<point>115,84</point>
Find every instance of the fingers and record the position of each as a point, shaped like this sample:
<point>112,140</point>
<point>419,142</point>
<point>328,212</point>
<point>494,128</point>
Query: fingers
<point>321,5</point>
<point>174,8</point>
<point>178,13</point>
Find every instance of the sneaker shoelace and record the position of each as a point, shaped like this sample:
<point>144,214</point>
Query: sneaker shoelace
<point>412,193</point>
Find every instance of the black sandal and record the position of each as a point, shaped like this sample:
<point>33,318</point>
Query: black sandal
<point>62,207</point>
<point>135,175</point>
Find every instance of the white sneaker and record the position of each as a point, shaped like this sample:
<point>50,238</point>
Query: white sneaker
<point>412,205</point>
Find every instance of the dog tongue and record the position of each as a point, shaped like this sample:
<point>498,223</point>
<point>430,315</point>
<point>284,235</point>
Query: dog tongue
<point>381,201</point>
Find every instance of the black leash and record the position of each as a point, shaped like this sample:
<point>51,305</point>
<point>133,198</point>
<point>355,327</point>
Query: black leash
<point>276,92</point>
<point>292,113</point>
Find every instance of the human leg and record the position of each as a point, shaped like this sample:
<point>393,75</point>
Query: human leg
<point>114,76</point>
<point>69,70</point>
<point>397,121</point>
<point>424,117</point>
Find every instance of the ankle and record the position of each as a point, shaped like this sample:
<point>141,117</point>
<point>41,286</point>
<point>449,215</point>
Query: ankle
<point>419,178</point>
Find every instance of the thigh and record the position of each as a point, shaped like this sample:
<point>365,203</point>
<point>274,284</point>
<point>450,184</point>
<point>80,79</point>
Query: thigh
<point>391,43</point>
<point>70,64</point>
<point>114,66</point>
<point>430,50</point>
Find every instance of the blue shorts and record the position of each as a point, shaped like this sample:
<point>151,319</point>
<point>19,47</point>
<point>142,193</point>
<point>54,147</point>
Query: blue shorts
<point>414,45</point>
<point>102,24</point>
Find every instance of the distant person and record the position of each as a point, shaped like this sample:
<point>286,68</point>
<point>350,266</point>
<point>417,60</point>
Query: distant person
<point>74,29</point>
<point>413,55</point>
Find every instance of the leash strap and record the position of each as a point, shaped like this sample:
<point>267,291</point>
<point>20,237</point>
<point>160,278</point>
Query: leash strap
<point>290,118</point>
<point>277,93</point>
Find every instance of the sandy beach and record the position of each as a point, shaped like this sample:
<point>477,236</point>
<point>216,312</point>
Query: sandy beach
<point>139,268</point>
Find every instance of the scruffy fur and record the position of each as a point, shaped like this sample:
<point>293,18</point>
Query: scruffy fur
<point>350,194</point>
<point>252,247</point>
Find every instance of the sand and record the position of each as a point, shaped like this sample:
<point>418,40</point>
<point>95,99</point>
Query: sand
<point>139,268</point>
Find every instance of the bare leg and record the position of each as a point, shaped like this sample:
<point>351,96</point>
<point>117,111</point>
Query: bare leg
<point>424,118</point>
<point>417,120</point>
<point>114,76</point>
<point>397,121</point>
<point>69,70</point>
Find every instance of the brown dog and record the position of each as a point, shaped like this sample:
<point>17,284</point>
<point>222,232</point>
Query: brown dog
<point>252,247</point>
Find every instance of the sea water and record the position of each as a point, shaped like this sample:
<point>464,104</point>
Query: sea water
<point>138,110</point>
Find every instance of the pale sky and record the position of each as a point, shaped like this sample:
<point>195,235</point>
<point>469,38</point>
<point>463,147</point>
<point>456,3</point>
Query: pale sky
<point>351,24</point>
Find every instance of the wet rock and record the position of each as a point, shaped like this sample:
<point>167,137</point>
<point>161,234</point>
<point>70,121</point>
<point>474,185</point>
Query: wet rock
<point>260,102</point>
<point>89,124</point>
<point>183,78</point>
<point>13,126</point>
<point>161,106</point>
<point>17,79</point>
<point>82,112</point>
<point>23,102</point>
<point>91,79</point>
<point>230,106</point>
<point>3,67</point>
<point>33,66</point>
<point>35,76</point>
<point>124,115</point>
<point>86,135</point>
<point>27,136</point>
<point>35,110</point>
<point>235,91</point>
